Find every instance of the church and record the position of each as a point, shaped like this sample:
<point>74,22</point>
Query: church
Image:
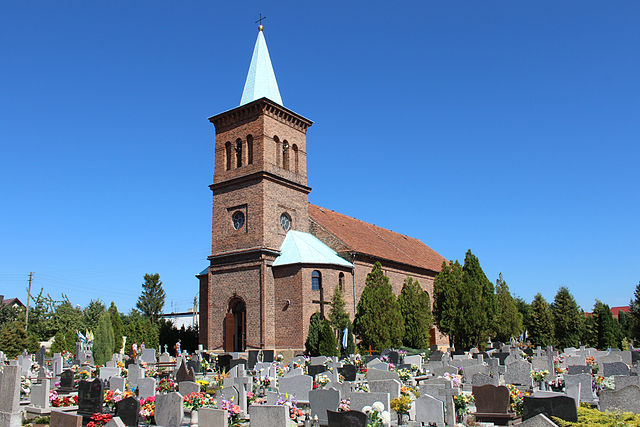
<point>275,258</point>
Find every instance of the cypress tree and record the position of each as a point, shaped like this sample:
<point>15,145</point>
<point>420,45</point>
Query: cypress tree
<point>415,307</point>
<point>524,308</point>
<point>103,342</point>
<point>508,320</point>
<point>116,323</point>
<point>447,308</point>
<point>327,345</point>
<point>14,339</point>
<point>567,320</point>
<point>541,327</point>
<point>634,304</point>
<point>151,300</point>
<point>479,319</point>
<point>312,344</point>
<point>607,334</point>
<point>378,322</point>
<point>339,319</point>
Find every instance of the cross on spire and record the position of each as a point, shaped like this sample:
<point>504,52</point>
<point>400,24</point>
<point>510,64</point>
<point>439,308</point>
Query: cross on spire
<point>260,19</point>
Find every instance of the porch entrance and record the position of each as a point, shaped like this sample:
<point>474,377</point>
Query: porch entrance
<point>235,326</point>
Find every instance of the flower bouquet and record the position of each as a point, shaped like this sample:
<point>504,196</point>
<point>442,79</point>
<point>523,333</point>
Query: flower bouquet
<point>61,402</point>
<point>234,413</point>
<point>295,413</point>
<point>166,385</point>
<point>404,374</point>
<point>462,402</point>
<point>321,380</point>
<point>539,376</point>
<point>401,405</point>
<point>195,401</point>
<point>344,405</point>
<point>378,417</point>
<point>99,420</point>
<point>516,399</point>
<point>148,410</point>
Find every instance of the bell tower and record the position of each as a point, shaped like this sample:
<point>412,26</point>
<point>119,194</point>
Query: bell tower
<point>260,192</point>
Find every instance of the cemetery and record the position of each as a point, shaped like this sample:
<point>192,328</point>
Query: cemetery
<point>264,388</point>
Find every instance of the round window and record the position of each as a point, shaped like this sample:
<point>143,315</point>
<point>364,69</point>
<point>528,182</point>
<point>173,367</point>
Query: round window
<point>238,220</point>
<point>285,221</point>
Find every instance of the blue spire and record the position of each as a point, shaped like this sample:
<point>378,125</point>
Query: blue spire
<point>261,80</point>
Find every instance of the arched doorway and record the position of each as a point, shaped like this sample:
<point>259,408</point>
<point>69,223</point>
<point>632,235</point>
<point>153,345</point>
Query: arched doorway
<point>235,323</point>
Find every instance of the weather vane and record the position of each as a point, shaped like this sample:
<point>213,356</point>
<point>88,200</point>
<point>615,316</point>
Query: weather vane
<point>259,21</point>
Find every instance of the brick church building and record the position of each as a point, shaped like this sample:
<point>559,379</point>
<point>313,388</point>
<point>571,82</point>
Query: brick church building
<point>275,258</point>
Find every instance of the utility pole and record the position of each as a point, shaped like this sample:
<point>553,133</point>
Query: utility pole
<point>26,317</point>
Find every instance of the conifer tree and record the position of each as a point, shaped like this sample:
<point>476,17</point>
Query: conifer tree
<point>634,304</point>
<point>103,342</point>
<point>447,309</point>
<point>327,345</point>
<point>312,343</point>
<point>378,322</point>
<point>567,320</point>
<point>481,313</point>
<point>338,317</point>
<point>415,307</point>
<point>607,332</point>
<point>524,308</point>
<point>116,323</point>
<point>541,327</point>
<point>14,339</point>
<point>508,320</point>
<point>151,300</point>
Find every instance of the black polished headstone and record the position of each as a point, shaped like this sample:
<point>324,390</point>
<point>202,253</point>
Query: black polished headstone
<point>129,411</point>
<point>252,358</point>
<point>347,419</point>
<point>502,356</point>
<point>491,399</point>
<point>185,374</point>
<point>267,356</point>
<point>235,362</point>
<point>436,356</point>
<point>433,348</point>
<point>579,369</point>
<point>563,407</point>
<point>403,366</point>
<point>394,357</point>
<point>193,365</point>
<point>224,361</point>
<point>348,372</point>
<point>485,356</point>
<point>40,356</point>
<point>314,370</point>
<point>368,359</point>
<point>66,380</point>
<point>90,398</point>
<point>635,356</point>
<point>528,351</point>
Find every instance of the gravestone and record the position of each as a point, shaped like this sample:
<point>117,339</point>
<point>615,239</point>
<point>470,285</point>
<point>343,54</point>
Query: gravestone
<point>375,375</point>
<point>562,407</point>
<point>313,370</point>
<point>386,386</point>
<point>518,373</point>
<point>40,394</point>
<point>185,375</point>
<point>482,379</point>
<point>501,356</point>
<point>116,422</point>
<point>224,362</point>
<point>267,356</point>
<point>615,368</point>
<point>321,401</point>
<point>236,362</point>
<point>293,372</point>
<point>492,403</point>
<point>106,373</point>
<point>210,417</point>
<point>148,356</point>
<point>229,393</point>
<point>146,387</point>
<point>573,391</point>
<point>169,410</point>
<point>298,386</point>
<point>429,411</point>
<point>90,398</point>
<point>269,415</point>
<point>435,356</point>
<point>252,358</point>
<point>188,387</point>
<point>469,371</point>
<point>64,419</point>
<point>622,381</point>
<point>539,420</point>
<point>193,365</point>
<point>57,363</point>
<point>348,372</point>
<point>359,400</point>
<point>579,369</point>
<point>66,381</point>
<point>347,419</point>
<point>414,360</point>
<point>40,355</point>
<point>135,373</point>
<point>10,414</point>
<point>394,357</point>
<point>586,391</point>
<point>129,411</point>
<point>117,383</point>
<point>626,399</point>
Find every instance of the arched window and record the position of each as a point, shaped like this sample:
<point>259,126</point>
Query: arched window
<point>249,150</point>
<point>295,158</point>
<point>277,142</point>
<point>285,155</point>
<point>227,154</point>
<point>341,281</point>
<point>238,153</point>
<point>316,280</point>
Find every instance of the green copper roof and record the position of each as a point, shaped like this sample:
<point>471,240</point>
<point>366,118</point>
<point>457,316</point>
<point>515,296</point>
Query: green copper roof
<point>304,248</point>
<point>261,80</point>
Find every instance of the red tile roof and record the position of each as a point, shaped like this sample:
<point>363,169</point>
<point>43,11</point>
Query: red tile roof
<point>11,301</point>
<point>379,242</point>
<point>615,311</point>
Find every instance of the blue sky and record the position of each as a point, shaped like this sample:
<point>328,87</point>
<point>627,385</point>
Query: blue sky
<point>506,127</point>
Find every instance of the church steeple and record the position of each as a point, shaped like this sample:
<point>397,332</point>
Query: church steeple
<point>261,80</point>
